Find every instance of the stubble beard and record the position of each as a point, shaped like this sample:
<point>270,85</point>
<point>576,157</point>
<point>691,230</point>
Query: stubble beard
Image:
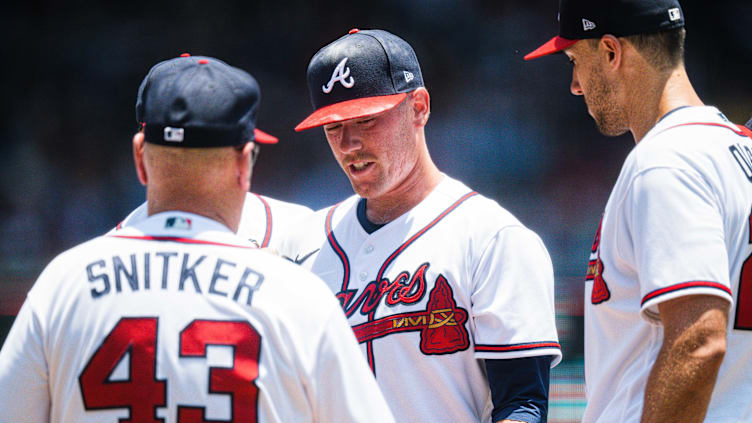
<point>601,102</point>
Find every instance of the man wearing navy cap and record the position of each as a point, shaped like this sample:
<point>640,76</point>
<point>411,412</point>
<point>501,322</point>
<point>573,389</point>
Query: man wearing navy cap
<point>263,221</point>
<point>669,284</point>
<point>450,296</point>
<point>176,318</point>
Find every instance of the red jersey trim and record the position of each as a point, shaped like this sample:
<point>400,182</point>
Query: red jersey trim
<point>179,240</point>
<point>684,285</point>
<point>739,131</point>
<point>517,347</point>
<point>337,249</point>
<point>268,231</point>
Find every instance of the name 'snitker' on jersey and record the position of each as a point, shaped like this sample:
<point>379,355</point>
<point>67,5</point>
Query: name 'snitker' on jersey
<point>135,272</point>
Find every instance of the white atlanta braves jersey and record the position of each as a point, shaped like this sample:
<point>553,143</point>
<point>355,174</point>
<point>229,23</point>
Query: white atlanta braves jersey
<point>175,319</point>
<point>677,223</point>
<point>455,280</point>
<point>263,222</point>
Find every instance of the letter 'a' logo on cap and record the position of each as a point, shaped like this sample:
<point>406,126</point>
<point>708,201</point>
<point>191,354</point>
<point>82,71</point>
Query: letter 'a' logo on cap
<point>674,14</point>
<point>340,74</point>
<point>588,25</point>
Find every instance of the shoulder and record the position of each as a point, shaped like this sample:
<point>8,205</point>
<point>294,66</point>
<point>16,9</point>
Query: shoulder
<point>692,139</point>
<point>473,209</point>
<point>310,229</point>
<point>139,214</point>
<point>279,207</point>
<point>65,269</point>
<point>289,288</point>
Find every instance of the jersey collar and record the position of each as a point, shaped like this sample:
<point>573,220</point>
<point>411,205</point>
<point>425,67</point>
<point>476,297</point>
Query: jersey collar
<point>179,224</point>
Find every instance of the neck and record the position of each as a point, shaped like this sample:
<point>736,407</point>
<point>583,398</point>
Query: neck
<point>669,92</point>
<point>420,181</point>
<point>225,209</point>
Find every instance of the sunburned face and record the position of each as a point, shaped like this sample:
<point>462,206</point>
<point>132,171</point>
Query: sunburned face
<point>590,81</point>
<point>376,152</point>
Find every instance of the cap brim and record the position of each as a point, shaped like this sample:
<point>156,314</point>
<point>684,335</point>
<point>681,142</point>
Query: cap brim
<point>264,138</point>
<point>350,109</point>
<point>552,46</point>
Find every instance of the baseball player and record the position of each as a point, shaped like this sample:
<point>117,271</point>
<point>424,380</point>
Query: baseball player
<point>263,220</point>
<point>669,283</point>
<point>176,318</point>
<point>450,296</point>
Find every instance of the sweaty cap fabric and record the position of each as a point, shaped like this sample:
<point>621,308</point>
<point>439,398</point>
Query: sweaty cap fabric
<point>360,74</point>
<point>581,19</point>
<point>199,102</point>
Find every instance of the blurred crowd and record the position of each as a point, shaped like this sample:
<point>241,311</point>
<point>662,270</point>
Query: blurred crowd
<point>506,127</point>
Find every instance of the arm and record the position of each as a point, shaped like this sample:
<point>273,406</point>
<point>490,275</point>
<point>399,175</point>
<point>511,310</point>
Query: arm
<point>684,373</point>
<point>519,388</point>
<point>24,395</point>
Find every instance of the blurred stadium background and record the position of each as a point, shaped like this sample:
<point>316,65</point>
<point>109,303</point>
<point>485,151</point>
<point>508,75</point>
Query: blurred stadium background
<point>508,128</point>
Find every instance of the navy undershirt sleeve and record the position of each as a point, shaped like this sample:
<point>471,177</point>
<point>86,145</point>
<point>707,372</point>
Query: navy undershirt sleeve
<point>519,388</point>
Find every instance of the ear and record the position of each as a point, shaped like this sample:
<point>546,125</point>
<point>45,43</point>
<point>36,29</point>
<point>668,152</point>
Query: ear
<point>421,104</point>
<point>138,157</point>
<point>613,49</point>
<point>245,167</point>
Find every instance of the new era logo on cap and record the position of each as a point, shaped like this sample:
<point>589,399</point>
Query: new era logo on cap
<point>408,76</point>
<point>588,25</point>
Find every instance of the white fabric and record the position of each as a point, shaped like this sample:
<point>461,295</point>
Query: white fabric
<point>676,223</point>
<point>498,276</point>
<point>263,218</point>
<point>310,368</point>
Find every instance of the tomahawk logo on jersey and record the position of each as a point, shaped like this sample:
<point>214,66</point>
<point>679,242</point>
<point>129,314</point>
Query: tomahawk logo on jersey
<point>455,280</point>
<point>176,319</point>
<point>677,223</point>
<point>263,222</point>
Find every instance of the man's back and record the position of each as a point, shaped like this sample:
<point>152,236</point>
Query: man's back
<point>176,319</point>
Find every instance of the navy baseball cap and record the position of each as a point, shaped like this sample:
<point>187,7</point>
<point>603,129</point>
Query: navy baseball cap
<point>360,74</point>
<point>581,19</point>
<point>198,101</point>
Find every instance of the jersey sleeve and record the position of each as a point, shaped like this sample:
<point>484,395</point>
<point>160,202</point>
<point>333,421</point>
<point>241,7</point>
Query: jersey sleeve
<point>513,298</point>
<point>345,389</point>
<point>677,237</point>
<point>24,393</point>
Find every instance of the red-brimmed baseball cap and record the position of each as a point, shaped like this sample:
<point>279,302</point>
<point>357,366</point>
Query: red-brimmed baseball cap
<point>582,19</point>
<point>360,74</point>
<point>198,101</point>
<point>264,138</point>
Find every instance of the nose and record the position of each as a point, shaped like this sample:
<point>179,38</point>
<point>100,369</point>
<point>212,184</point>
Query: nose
<point>349,140</point>
<point>575,86</point>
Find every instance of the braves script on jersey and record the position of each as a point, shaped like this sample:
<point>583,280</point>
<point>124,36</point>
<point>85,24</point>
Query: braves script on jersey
<point>454,280</point>
<point>263,222</point>
<point>175,319</point>
<point>677,223</point>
